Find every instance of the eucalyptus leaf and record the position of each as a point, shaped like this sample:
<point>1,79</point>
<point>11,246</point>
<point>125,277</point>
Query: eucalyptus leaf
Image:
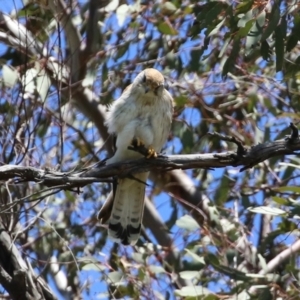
<point>192,291</point>
<point>10,75</point>
<point>166,28</point>
<point>188,223</point>
<point>266,210</point>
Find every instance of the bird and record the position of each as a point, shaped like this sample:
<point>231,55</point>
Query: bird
<point>140,117</point>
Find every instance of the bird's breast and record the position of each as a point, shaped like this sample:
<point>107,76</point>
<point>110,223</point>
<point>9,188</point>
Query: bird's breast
<point>156,116</point>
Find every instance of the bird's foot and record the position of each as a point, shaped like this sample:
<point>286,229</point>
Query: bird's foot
<point>137,143</point>
<point>139,146</point>
<point>151,153</point>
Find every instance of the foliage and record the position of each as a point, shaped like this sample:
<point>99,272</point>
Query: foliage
<point>232,67</point>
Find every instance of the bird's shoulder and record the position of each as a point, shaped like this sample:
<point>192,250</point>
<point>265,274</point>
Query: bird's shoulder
<point>127,89</point>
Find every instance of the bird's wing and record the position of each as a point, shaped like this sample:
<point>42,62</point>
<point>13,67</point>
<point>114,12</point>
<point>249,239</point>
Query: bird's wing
<point>105,211</point>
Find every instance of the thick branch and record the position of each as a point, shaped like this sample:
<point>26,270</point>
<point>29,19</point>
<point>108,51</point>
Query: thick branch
<point>248,159</point>
<point>63,15</point>
<point>93,33</point>
<point>18,280</point>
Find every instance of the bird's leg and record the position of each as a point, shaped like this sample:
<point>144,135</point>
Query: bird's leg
<point>139,146</point>
<point>137,143</point>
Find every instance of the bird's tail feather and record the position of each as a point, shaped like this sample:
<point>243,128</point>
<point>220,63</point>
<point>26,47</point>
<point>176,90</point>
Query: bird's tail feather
<point>127,212</point>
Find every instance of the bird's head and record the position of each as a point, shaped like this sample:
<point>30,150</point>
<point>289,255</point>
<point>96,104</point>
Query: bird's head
<point>150,81</point>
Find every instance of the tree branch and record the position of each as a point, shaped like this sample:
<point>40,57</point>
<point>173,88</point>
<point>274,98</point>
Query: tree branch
<point>93,32</point>
<point>18,37</point>
<point>249,158</point>
<point>18,280</point>
<point>63,15</point>
<point>246,157</point>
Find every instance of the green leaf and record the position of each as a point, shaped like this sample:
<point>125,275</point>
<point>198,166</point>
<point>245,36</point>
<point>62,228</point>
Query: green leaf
<point>166,28</point>
<point>292,70</point>
<point>93,267</point>
<point>195,256</point>
<point>227,225</point>
<point>195,30</point>
<point>232,273</point>
<point>122,12</point>
<point>289,168</point>
<point>293,189</point>
<point>244,18</point>
<point>230,62</point>
<point>214,12</point>
<point>188,223</point>
<point>43,84</point>
<point>204,10</point>
<point>103,296</point>
<point>195,60</point>
<point>295,212</point>
<point>262,261</point>
<point>112,6</point>
<point>181,101</point>
<point>212,259</point>
<point>65,256</point>
<point>224,47</point>
<point>192,291</point>
<point>291,42</point>
<point>138,257</point>
<point>222,193</point>
<point>187,139</point>
<point>60,73</point>
<point>168,8</point>
<point>121,50</point>
<point>265,50</point>
<point>216,28</point>
<point>279,47</point>
<point>294,37</point>
<point>156,269</point>
<point>10,75</point>
<point>273,22</point>
<point>189,275</point>
<point>280,200</point>
<point>6,107</point>
<point>255,33</point>
<point>266,210</point>
<point>214,214</point>
<point>44,124</point>
<point>115,277</point>
<point>245,30</point>
<point>287,225</point>
<point>208,17</point>
<point>171,59</point>
<point>283,26</point>
<point>254,275</point>
<point>244,6</point>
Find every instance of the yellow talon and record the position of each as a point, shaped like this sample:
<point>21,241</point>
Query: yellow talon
<point>139,146</point>
<point>151,153</point>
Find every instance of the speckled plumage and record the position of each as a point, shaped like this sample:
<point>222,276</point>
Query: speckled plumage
<point>144,111</point>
